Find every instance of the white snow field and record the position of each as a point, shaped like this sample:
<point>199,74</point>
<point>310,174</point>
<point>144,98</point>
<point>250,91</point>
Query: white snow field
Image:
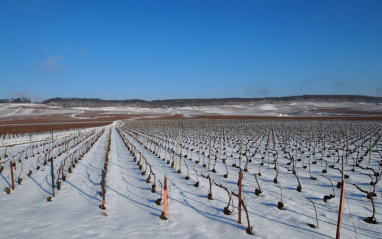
<point>131,209</point>
<point>317,109</point>
<point>12,110</point>
<point>260,109</point>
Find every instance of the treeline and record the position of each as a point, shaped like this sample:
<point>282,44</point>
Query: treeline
<point>16,100</point>
<point>92,102</point>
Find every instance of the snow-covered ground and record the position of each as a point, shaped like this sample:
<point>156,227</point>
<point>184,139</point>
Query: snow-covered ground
<point>16,111</point>
<point>31,110</point>
<point>298,108</point>
<point>131,211</point>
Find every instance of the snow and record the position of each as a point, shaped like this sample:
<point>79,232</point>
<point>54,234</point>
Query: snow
<point>26,111</point>
<point>131,207</point>
<point>295,108</point>
<point>74,211</point>
<point>23,140</point>
<point>267,107</point>
<point>8,111</point>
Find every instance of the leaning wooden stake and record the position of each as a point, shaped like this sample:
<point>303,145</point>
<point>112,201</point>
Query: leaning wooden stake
<point>12,176</point>
<point>239,220</point>
<point>341,208</point>
<point>52,172</point>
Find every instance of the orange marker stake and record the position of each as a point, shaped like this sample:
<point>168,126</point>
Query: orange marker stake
<point>165,196</point>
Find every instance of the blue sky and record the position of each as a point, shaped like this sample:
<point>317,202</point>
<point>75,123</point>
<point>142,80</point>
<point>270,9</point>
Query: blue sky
<point>162,49</point>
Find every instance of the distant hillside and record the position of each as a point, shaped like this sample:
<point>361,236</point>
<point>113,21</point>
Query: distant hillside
<point>89,102</point>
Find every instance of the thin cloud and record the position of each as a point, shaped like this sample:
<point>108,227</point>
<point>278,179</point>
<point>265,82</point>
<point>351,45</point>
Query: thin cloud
<point>82,52</point>
<point>51,64</point>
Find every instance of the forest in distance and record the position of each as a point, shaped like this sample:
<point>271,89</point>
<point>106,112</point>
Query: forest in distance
<point>95,102</point>
<point>86,102</point>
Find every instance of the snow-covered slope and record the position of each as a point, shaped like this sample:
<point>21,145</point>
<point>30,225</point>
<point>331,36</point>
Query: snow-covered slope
<point>45,112</point>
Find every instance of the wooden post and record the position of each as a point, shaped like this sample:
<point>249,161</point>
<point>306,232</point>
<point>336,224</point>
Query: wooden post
<point>30,144</point>
<point>177,150</point>
<point>13,178</point>
<point>295,160</point>
<point>209,153</point>
<point>347,145</point>
<point>52,172</point>
<point>239,220</point>
<point>341,209</point>
<point>103,186</point>
<point>240,154</point>
<point>370,148</point>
